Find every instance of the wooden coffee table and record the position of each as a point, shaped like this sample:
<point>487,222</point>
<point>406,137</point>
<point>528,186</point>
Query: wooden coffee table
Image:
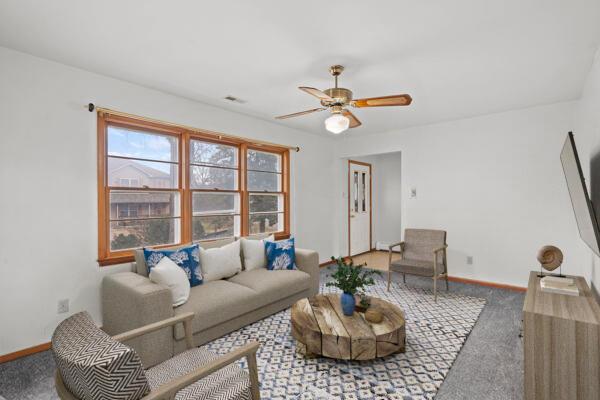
<point>321,328</point>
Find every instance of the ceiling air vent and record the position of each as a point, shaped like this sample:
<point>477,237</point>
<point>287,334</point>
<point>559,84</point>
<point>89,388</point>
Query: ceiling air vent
<point>234,99</point>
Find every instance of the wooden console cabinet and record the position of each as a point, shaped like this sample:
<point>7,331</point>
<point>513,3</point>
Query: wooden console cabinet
<point>561,344</point>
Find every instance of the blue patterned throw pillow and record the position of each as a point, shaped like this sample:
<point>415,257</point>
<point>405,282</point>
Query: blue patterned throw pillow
<point>188,258</point>
<point>281,254</point>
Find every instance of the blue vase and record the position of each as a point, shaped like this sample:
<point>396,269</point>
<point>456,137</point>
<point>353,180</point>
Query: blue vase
<point>348,303</point>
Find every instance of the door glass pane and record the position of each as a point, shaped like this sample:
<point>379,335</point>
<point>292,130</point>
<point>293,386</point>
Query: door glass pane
<point>143,204</point>
<point>355,191</point>
<point>213,178</point>
<point>125,142</point>
<point>215,227</point>
<point>215,203</point>
<point>129,234</point>
<point>364,192</point>
<point>265,223</point>
<point>263,161</point>
<point>124,172</point>
<point>264,181</point>
<point>213,154</point>
<point>266,202</point>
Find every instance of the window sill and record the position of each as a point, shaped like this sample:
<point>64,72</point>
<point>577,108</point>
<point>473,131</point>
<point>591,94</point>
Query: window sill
<point>116,260</point>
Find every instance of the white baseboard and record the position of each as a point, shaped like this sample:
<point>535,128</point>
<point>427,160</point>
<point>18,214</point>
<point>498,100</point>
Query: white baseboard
<point>382,246</point>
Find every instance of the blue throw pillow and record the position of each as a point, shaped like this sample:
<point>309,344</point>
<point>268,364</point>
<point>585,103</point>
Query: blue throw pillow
<point>188,258</point>
<point>281,254</point>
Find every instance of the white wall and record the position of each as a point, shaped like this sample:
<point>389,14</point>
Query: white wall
<point>386,196</point>
<point>587,140</point>
<point>494,182</point>
<point>48,205</point>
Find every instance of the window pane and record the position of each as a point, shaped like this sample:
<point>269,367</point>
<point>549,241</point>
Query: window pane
<point>138,233</point>
<point>214,178</point>
<point>215,227</point>
<point>215,203</point>
<point>134,173</point>
<point>262,161</point>
<point>263,223</point>
<point>137,144</point>
<point>129,204</point>
<point>266,202</point>
<point>264,181</point>
<point>213,153</point>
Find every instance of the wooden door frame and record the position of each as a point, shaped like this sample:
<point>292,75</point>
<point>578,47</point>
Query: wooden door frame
<point>370,204</point>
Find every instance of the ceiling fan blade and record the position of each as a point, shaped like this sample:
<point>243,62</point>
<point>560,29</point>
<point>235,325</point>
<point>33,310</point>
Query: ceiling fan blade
<point>385,101</point>
<point>300,113</point>
<point>354,122</point>
<point>316,92</point>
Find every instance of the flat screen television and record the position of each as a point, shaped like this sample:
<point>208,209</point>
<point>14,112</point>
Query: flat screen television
<point>580,199</point>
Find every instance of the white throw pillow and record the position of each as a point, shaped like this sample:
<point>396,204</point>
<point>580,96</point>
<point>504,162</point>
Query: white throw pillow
<point>221,262</point>
<point>254,253</point>
<point>167,273</point>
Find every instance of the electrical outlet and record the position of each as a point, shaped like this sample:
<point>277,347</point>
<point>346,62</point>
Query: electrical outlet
<point>63,306</point>
<point>470,260</point>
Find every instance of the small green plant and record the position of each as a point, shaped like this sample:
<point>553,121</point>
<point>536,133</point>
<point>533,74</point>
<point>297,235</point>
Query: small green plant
<point>349,278</point>
<point>365,302</point>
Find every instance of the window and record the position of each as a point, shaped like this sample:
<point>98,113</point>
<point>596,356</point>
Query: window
<point>214,181</point>
<point>266,197</point>
<point>160,185</point>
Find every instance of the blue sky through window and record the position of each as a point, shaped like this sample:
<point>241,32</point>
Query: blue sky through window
<point>129,143</point>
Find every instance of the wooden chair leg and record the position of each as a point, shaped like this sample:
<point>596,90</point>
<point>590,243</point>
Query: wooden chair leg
<point>435,289</point>
<point>404,278</point>
<point>446,282</point>
<point>253,370</point>
<point>389,279</point>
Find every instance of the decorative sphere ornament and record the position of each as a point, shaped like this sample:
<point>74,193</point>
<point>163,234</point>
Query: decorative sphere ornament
<point>550,257</point>
<point>373,315</point>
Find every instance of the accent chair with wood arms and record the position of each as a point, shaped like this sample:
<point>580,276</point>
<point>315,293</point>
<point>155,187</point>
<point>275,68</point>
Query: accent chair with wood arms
<point>93,365</point>
<point>423,253</point>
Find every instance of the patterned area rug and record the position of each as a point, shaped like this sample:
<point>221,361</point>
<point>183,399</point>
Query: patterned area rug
<point>435,333</point>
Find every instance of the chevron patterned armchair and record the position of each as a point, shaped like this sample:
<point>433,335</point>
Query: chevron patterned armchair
<point>93,365</point>
<point>423,253</point>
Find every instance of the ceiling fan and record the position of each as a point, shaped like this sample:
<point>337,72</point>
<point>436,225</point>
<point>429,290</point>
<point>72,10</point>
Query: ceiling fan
<point>336,100</point>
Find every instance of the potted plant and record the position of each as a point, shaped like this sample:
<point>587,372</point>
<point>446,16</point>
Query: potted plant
<point>349,278</point>
<point>363,302</point>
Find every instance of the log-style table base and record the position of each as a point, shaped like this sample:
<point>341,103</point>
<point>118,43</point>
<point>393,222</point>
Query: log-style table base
<point>321,328</point>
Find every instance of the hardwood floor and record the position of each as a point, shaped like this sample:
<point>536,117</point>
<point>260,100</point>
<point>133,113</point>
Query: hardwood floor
<point>376,259</point>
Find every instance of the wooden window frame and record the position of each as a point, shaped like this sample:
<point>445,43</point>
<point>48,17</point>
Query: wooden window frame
<point>108,257</point>
<point>285,187</point>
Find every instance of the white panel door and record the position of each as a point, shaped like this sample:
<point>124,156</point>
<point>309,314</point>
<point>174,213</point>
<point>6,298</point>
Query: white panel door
<point>360,207</point>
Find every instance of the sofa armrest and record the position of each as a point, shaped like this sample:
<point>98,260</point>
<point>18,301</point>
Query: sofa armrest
<point>130,301</point>
<point>308,261</point>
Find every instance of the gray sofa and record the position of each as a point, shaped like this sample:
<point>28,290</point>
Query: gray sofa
<point>130,300</point>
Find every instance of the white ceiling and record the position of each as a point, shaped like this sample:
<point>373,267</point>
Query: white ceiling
<point>457,58</point>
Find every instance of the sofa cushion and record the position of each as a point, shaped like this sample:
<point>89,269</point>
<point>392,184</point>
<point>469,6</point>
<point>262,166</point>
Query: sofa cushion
<point>93,365</point>
<point>415,267</point>
<point>215,302</point>
<point>253,252</point>
<point>281,254</point>
<point>169,274</point>
<point>222,262</point>
<point>273,285</point>
<point>186,258</point>
<point>140,259</point>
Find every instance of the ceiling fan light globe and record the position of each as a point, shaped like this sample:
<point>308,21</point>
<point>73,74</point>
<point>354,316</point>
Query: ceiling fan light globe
<point>337,123</point>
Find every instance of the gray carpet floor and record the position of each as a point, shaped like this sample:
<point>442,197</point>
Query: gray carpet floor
<point>489,366</point>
